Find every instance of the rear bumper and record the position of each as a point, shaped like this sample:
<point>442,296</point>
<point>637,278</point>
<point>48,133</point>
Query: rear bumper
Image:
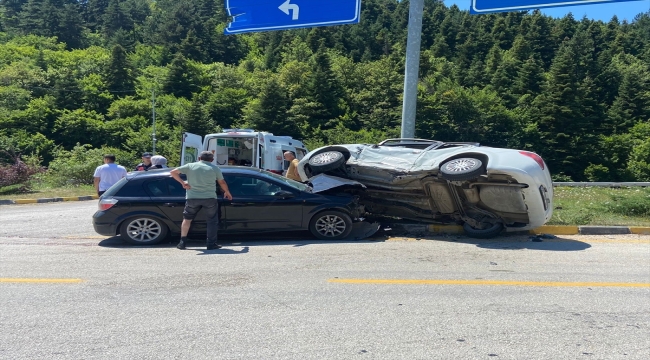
<point>102,225</point>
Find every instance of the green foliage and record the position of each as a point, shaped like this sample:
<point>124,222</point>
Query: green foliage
<point>630,206</point>
<point>575,91</point>
<point>77,166</point>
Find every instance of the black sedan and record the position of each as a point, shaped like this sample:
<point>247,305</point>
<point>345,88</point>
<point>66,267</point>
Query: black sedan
<point>145,207</point>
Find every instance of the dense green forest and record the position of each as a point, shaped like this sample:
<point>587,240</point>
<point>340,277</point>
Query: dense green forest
<point>77,79</point>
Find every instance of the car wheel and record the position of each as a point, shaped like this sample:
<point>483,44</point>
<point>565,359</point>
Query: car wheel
<point>330,225</point>
<point>143,230</point>
<point>326,161</point>
<point>486,233</point>
<point>462,169</point>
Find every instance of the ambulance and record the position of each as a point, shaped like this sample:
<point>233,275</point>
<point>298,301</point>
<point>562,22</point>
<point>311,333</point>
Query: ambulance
<point>243,147</point>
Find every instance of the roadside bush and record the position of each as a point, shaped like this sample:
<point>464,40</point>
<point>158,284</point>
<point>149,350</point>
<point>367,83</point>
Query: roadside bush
<point>636,206</point>
<point>77,166</point>
<point>18,173</point>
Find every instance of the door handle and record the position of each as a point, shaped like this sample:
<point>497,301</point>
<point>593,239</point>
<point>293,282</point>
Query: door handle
<point>238,204</point>
<point>170,204</point>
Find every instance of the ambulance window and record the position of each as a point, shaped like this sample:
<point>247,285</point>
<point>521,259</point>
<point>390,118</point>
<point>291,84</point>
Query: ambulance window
<point>300,153</point>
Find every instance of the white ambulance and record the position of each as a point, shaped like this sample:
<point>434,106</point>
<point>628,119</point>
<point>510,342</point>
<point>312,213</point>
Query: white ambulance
<point>243,147</point>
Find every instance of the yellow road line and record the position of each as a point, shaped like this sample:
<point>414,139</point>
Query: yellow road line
<point>487,282</point>
<point>18,280</point>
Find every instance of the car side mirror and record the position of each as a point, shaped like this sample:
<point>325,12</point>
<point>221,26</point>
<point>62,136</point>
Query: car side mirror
<point>283,194</point>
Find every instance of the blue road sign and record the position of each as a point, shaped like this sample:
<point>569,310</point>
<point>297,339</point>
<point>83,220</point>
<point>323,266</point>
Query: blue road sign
<point>266,15</point>
<point>492,6</point>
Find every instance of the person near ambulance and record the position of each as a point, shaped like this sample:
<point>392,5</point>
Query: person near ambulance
<point>292,172</point>
<point>201,186</point>
<point>145,164</point>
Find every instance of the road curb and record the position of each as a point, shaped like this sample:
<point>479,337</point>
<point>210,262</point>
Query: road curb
<point>422,230</point>
<point>48,200</point>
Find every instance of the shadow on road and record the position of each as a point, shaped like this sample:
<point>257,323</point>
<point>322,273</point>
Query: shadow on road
<point>362,233</point>
<point>520,242</point>
<point>359,232</point>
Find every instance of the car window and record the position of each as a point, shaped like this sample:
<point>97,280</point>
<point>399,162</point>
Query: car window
<point>157,188</point>
<point>294,184</point>
<point>250,186</point>
<point>115,188</point>
<point>175,188</point>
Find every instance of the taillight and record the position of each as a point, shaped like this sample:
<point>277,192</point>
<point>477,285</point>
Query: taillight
<point>105,204</point>
<point>538,159</point>
<point>279,172</point>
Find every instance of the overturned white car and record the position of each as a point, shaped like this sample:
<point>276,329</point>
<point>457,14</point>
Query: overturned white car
<point>486,189</point>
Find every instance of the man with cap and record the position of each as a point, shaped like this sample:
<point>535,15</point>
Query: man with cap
<point>201,186</point>
<point>145,164</point>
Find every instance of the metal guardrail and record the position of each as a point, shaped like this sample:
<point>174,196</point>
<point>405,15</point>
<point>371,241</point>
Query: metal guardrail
<point>602,184</point>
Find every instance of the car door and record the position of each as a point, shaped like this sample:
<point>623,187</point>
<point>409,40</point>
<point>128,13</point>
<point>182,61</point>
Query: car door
<point>256,206</point>
<point>170,197</point>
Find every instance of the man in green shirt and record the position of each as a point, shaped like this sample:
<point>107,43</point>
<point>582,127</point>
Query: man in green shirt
<point>201,186</point>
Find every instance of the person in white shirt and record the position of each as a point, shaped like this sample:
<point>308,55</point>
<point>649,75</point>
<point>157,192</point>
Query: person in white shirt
<point>108,174</point>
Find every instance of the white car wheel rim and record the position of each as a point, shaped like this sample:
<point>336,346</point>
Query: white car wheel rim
<point>460,165</point>
<point>143,230</point>
<point>330,225</point>
<point>324,158</point>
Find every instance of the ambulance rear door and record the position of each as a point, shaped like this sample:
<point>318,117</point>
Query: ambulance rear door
<point>191,147</point>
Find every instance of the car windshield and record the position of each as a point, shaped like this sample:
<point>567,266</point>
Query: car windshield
<point>298,185</point>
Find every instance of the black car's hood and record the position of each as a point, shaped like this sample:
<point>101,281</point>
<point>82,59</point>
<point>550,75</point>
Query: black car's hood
<point>324,182</point>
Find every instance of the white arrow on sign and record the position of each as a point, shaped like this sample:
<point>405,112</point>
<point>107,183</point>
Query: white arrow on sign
<point>286,6</point>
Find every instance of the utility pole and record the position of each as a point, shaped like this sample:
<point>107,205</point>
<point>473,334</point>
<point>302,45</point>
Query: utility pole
<point>153,115</point>
<point>411,72</point>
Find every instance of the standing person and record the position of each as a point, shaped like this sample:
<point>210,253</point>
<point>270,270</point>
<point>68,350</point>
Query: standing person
<point>108,174</point>
<point>145,164</point>
<point>201,186</point>
<point>292,173</point>
<point>158,162</point>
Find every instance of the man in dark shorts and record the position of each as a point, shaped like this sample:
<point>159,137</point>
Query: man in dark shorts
<point>201,186</point>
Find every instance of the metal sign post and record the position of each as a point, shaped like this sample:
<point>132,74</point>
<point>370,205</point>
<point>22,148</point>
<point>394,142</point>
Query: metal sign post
<point>411,72</point>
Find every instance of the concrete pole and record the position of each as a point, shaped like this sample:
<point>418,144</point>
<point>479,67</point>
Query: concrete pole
<point>153,116</point>
<point>411,72</point>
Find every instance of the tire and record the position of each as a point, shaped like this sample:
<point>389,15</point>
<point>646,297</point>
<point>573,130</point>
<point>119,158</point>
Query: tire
<point>462,169</point>
<point>143,230</point>
<point>490,232</point>
<point>330,225</point>
<point>326,161</point>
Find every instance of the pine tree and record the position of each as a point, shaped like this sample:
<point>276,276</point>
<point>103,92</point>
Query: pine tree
<point>71,27</point>
<point>116,18</point>
<point>198,121</point>
<point>539,37</point>
<point>530,77</point>
<point>180,80</point>
<point>67,91</point>
<point>558,113</point>
<point>119,75</point>
<point>269,112</point>
<point>633,101</point>
<point>440,48</point>
<point>501,35</point>
<point>94,13</point>
<point>324,89</point>
<point>30,20</point>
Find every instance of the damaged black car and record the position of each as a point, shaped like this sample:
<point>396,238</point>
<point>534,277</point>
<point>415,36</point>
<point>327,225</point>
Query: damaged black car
<point>146,207</point>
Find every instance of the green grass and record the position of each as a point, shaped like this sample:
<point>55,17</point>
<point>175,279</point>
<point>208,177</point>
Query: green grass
<point>44,191</point>
<point>601,206</point>
<point>573,205</point>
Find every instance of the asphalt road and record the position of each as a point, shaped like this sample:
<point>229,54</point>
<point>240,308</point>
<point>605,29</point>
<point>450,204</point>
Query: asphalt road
<point>67,293</point>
